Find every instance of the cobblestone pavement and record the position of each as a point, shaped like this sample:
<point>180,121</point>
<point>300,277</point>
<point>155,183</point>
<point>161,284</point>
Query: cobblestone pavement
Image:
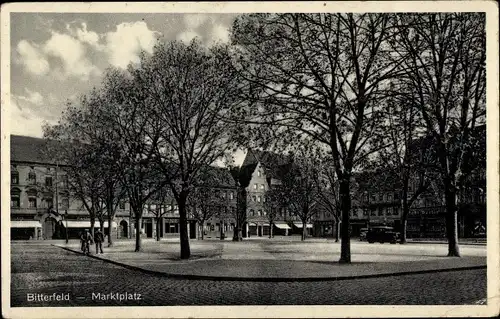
<point>47,270</point>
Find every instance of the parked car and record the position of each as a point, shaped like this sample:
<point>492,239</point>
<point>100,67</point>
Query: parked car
<point>362,234</point>
<point>382,234</point>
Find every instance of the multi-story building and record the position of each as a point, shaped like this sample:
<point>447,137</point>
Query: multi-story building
<point>43,208</point>
<point>262,172</point>
<point>41,205</point>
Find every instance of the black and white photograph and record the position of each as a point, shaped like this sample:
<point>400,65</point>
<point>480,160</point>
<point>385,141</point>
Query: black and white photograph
<point>250,159</point>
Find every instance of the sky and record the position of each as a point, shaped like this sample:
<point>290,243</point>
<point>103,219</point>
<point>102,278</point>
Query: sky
<point>56,57</point>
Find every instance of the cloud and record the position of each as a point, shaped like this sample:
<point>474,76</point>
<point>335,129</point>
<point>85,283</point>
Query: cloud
<point>32,97</point>
<point>187,36</point>
<point>193,21</point>
<point>32,58</point>
<point>72,54</point>
<point>124,45</point>
<point>24,121</point>
<point>220,33</point>
<point>85,36</point>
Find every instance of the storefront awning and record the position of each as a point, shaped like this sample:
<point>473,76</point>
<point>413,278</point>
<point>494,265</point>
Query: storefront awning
<point>25,224</point>
<point>282,225</point>
<point>299,225</point>
<point>84,224</point>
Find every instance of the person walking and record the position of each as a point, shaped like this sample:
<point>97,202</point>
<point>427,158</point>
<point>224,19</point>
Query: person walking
<point>99,238</point>
<point>86,239</point>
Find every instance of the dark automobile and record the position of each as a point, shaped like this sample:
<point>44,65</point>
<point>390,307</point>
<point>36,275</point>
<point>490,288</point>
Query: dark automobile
<point>362,233</point>
<point>382,234</point>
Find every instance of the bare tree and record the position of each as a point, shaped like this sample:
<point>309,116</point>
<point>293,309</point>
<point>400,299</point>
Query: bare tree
<point>190,90</point>
<point>446,70</point>
<point>318,78</point>
<point>136,133</point>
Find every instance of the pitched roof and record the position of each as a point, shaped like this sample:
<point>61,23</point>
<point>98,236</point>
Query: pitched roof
<point>29,149</point>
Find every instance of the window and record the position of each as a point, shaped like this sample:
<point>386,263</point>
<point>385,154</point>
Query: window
<point>389,211</point>
<point>65,203</point>
<point>48,181</point>
<point>259,212</point>
<point>259,173</point>
<point>264,213</point>
<point>231,195</point>
<point>258,199</point>
<point>381,197</point>
<point>31,178</point>
<point>380,211</point>
<point>252,212</point>
<point>32,202</point>
<point>49,202</point>
<point>14,177</point>
<point>396,196</point>
<point>374,198</point>
<point>373,212</point>
<point>254,198</point>
<point>122,205</point>
<point>262,186</point>
<point>395,211</point>
<point>254,186</point>
<point>64,181</point>
<point>15,199</point>
<point>389,197</point>
<point>365,212</point>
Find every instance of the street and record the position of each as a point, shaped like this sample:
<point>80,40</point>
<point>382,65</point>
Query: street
<point>45,269</point>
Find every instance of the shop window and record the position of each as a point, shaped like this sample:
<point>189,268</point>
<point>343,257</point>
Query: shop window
<point>14,177</point>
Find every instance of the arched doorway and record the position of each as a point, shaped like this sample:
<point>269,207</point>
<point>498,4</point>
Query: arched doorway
<point>49,227</point>
<point>123,229</point>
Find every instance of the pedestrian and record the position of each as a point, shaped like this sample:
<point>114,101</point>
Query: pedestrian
<point>99,238</point>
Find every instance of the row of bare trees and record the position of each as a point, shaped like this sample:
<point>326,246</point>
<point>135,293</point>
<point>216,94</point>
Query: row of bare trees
<point>335,83</point>
<point>345,90</point>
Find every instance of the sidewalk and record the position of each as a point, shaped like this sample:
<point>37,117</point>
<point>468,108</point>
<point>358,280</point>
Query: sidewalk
<point>278,262</point>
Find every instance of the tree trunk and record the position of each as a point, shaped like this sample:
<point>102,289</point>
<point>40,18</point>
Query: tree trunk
<point>235,232</point>
<point>221,229</point>
<point>184,240</point>
<point>271,230</point>
<point>158,222</point>
<point>404,220</point>
<point>138,221</point>
<point>101,225</point>
<point>451,221</point>
<point>337,231</point>
<point>345,206</point>
<point>203,230</point>
<point>110,227</point>
<point>92,225</point>
<point>304,230</point>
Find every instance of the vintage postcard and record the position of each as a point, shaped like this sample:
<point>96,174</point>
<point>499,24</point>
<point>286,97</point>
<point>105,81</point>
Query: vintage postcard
<point>250,159</point>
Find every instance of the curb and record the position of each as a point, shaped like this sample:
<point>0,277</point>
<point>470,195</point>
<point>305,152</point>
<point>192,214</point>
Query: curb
<point>270,279</point>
